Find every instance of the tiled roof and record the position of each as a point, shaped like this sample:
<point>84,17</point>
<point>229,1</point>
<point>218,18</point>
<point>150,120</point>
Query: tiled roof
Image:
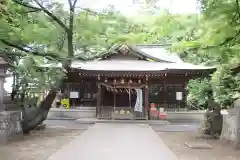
<point>158,52</point>
<point>134,65</point>
<point>163,60</point>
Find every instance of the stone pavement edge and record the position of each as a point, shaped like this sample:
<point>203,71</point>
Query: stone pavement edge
<point>116,142</point>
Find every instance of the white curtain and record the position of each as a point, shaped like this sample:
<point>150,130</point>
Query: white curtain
<point>139,101</point>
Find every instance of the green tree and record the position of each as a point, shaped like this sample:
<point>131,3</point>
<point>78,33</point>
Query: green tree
<point>48,30</point>
<point>35,42</point>
<point>216,43</point>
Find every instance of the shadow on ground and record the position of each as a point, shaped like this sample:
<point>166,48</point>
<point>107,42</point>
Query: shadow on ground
<point>39,145</point>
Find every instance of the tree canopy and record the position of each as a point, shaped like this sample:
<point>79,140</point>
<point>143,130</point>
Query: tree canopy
<point>216,42</point>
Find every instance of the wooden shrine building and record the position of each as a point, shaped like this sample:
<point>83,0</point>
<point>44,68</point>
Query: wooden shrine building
<point>125,81</point>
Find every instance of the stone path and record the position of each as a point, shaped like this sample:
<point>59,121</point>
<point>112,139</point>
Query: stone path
<point>116,142</point>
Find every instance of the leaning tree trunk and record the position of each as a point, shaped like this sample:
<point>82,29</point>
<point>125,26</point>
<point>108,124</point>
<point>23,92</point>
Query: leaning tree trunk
<point>33,116</point>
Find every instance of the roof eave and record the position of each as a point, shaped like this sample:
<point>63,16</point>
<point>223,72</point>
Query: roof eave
<point>134,48</point>
<point>205,71</point>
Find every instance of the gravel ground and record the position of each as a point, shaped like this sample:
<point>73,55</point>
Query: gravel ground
<point>220,151</point>
<point>39,145</point>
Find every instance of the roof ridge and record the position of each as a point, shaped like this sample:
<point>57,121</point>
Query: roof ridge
<point>153,45</point>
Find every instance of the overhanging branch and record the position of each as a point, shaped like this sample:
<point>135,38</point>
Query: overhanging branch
<point>70,3</point>
<point>227,40</point>
<point>74,3</point>
<point>26,52</point>
<point>42,8</point>
<point>90,11</point>
<point>56,19</point>
<point>7,53</point>
<point>26,5</point>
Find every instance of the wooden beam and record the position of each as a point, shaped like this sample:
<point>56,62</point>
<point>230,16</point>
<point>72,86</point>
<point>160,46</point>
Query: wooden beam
<point>122,86</point>
<point>98,100</point>
<point>165,92</point>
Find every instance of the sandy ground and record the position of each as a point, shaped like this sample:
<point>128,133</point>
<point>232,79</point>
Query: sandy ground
<point>42,144</point>
<point>220,151</point>
<point>39,145</point>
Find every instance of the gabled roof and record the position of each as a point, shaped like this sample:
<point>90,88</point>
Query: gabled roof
<point>156,52</point>
<point>160,60</point>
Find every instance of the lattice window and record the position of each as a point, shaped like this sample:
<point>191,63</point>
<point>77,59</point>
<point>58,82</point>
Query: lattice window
<point>171,92</point>
<point>156,93</point>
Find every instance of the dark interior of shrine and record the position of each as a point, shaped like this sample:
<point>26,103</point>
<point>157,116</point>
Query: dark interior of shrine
<point>122,97</point>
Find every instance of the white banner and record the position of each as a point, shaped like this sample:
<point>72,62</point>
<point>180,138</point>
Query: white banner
<point>179,96</point>
<point>73,94</point>
<point>139,101</point>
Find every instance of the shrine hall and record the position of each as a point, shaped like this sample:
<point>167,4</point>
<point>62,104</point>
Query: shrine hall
<point>124,82</point>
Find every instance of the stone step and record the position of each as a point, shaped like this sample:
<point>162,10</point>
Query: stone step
<point>75,109</point>
<point>60,118</point>
<point>85,108</point>
<point>63,113</point>
<point>93,121</point>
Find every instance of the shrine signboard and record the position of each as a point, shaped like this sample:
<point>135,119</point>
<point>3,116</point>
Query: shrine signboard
<point>74,95</point>
<point>179,96</point>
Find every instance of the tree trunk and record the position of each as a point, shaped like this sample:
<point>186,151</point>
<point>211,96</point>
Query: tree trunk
<point>33,116</point>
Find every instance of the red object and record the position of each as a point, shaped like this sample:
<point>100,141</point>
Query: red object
<point>155,112</point>
<point>153,105</point>
<point>163,115</point>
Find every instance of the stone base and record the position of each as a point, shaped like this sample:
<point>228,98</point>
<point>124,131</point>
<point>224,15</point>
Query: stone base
<point>204,136</point>
<point>231,126</point>
<point>198,145</point>
<point>118,115</point>
<point>72,114</point>
<point>10,126</point>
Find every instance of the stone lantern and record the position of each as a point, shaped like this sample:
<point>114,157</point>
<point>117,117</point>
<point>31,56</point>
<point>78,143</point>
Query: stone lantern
<point>10,121</point>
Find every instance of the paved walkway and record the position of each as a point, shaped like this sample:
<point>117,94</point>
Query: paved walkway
<point>116,142</point>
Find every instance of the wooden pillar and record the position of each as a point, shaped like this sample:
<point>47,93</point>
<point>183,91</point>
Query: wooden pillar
<point>146,94</point>
<point>99,96</point>
<point>147,109</point>
<point>165,91</point>
<point>114,95</point>
<point>129,97</point>
<point>185,92</point>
